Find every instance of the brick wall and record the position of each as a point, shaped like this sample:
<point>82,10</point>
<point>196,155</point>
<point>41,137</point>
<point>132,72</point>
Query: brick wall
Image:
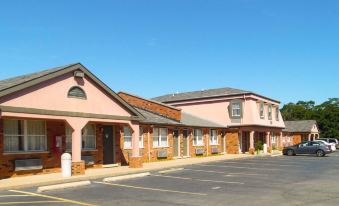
<point>50,159</point>
<point>153,106</point>
<point>232,142</point>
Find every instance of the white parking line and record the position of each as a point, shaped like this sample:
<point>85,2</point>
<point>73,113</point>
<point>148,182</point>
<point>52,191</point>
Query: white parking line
<point>14,196</point>
<point>252,163</point>
<point>250,168</point>
<point>152,189</point>
<point>245,174</point>
<point>30,202</point>
<point>207,171</point>
<point>199,180</point>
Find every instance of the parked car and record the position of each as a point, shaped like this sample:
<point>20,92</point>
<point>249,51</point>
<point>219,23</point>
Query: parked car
<point>310,147</point>
<point>331,140</point>
<point>332,146</point>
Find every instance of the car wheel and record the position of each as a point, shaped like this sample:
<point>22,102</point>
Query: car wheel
<point>320,153</point>
<point>290,152</point>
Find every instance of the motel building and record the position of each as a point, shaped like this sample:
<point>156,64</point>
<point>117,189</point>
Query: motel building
<point>69,110</point>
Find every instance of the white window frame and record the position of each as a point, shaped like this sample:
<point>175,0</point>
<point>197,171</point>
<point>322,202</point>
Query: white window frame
<point>262,110</point>
<point>128,146</point>
<point>269,112</point>
<point>89,136</point>
<point>26,138</point>
<point>141,138</point>
<point>235,109</point>
<point>214,139</point>
<point>158,138</point>
<point>277,113</point>
<point>197,140</point>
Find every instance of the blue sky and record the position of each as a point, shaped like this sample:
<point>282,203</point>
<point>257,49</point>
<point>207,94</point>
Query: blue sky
<point>287,50</point>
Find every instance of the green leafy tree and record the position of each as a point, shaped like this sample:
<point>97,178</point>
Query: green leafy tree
<point>326,115</point>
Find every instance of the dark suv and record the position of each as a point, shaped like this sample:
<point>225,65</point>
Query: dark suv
<point>310,147</point>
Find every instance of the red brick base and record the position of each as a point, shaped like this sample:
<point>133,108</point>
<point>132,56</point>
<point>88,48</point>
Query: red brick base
<point>135,162</point>
<point>78,168</point>
<point>252,151</point>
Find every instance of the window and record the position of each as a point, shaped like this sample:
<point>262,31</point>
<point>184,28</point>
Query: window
<point>236,110</point>
<point>262,113</point>
<point>269,112</point>
<point>141,138</point>
<point>277,113</point>
<point>198,138</point>
<point>77,92</point>
<point>127,138</point>
<point>25,135</point>
<point>88,137</point>
<point>68,132</point>
<point>160,137</point>
<point>214,137</point>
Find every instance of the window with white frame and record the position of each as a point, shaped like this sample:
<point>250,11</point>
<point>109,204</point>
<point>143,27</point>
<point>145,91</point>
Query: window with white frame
<point>236,109</point>
<point>25,135</point>
<point>141,138</point>
<point>88,137</point>
<point>270,112</point>
<point>68,131</point>
<point>127,138</point>
<point>198,139</point>
<point>262,113</point>
<point>214,137</point>
<point>277,113</point>
<point>160,137</point>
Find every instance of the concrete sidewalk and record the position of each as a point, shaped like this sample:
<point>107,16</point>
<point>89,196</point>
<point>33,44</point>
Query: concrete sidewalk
<point>55,178</point>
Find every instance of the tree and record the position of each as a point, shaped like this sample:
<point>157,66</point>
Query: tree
<point>326,115</point>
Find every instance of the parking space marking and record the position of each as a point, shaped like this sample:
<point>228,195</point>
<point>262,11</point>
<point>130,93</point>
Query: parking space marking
<point>254,163</point>
<point>151,189</point>
<point>250,168</point>
<point>14,196</point>
<point>31,202</point>
<point>51,197</point>
<point>200,180</point>
<point>207,171</point>
<point>245,174</point>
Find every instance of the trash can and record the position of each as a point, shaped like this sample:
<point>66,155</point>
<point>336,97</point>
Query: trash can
<point>66,165</point>
<point>265,148</point>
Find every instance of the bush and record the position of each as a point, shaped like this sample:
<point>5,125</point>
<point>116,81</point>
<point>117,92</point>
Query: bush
<point>259,146</point>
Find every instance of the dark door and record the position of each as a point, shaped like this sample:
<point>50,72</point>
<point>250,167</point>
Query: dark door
<point>185,143</point>
<point>176,143</point>
<point>108,145</point>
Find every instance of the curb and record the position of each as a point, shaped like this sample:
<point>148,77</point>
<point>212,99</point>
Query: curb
<point>62,186</point>
<point>126,177</point>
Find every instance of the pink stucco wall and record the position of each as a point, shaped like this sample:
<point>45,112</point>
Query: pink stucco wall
<point>216,110</point>
<point>52,95</point>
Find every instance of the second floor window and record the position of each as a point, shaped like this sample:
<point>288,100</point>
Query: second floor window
<point>236,109</point>
<point>277,113</point>
<point>270,112</point>
<point>262,114</point>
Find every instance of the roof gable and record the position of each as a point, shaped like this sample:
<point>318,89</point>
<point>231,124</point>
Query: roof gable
<point>13,85</point>
<point>299,126</point>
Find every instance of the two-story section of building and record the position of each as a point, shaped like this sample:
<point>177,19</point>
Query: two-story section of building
<point>255,118</point>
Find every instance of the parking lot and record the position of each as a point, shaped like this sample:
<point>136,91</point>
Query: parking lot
<point>296,180</point>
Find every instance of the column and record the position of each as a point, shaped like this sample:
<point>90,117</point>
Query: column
<point>136,160</point>
<point>252,149</point>
<point>268,142</point>
<point>281,141</point>
<point>309,137</point>
<point>77,124</point>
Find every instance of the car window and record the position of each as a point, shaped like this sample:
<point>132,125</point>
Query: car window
<point>304,144</point>
<point>315,143</point>
<point>331,141</point>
